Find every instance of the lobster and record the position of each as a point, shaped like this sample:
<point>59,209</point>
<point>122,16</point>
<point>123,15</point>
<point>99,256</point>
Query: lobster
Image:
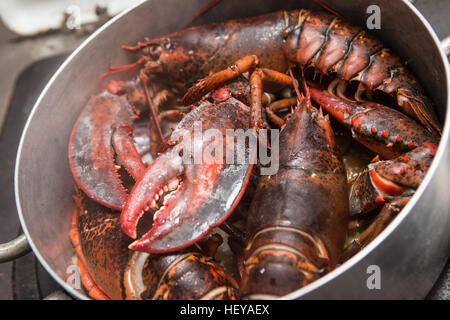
<point>308,39</point>
<point>297,221</point>
<point>203,196</point>
<point>109,270</point>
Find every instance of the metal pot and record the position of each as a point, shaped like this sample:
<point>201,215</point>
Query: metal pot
<point>410,252</point>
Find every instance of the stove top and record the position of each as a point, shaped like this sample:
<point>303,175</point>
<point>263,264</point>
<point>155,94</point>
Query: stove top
<point>25,278</point>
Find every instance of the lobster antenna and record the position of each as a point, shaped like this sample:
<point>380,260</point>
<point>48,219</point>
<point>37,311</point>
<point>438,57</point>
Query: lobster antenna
<point>153,115</point>
<point>327,8</point>
<point>305,85</point>
<point>120,69</point>
<point>295,84</point>
<point>211,5</point>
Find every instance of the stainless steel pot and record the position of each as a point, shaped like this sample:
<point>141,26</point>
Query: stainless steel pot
<point>409,253</point>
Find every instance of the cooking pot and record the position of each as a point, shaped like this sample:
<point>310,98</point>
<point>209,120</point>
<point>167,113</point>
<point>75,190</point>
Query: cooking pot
<point>405,258</point>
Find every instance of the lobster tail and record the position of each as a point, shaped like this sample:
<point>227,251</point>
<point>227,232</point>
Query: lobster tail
<point>331,45</point>
<point>187,274</point>
<point>282,260</point>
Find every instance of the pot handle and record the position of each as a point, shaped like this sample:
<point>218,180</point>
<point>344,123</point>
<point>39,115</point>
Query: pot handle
<point>14,249</point>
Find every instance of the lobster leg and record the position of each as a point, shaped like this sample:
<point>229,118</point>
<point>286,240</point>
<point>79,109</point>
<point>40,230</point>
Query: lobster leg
<point>139,97</point>
<point>208,84</point>
<point>88,282</point>
<point>386,215</point>
<point>282,104</point>
<point>259,77</point>
<point>274,119</point>
<point>408,145</point>
<point>245,64</point>
<point>174,115</point>
<point>276,106</point>
<point>153,114</point>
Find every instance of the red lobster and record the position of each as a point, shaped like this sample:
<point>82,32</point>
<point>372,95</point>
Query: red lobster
<point>322,41</point>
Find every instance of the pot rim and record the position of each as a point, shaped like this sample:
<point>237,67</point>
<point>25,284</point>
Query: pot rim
<point>314,285</point>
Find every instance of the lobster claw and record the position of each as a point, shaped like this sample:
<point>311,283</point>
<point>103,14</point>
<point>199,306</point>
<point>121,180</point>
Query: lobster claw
<point>91,155</point>
<point>385,181</point>
<point>100,136</point>
<point>190,198</point>
<point>381,129</point>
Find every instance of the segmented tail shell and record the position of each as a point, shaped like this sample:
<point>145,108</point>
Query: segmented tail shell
<point>331,45</point>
